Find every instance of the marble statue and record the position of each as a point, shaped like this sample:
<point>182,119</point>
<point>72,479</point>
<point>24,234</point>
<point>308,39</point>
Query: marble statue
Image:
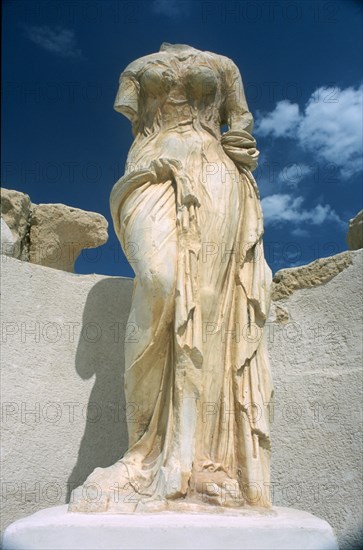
<point>188,216</point>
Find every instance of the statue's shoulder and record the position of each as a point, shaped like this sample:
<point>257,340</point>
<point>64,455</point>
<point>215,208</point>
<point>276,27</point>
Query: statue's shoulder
<point>137,66</point>
<point>217,56</point>
<point>222,62</point>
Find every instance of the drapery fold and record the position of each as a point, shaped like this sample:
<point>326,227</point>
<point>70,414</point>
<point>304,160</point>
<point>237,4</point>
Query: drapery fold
<point>188,217</point>
<point>247,388</point>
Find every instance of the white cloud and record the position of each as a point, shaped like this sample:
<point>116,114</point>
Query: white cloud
<point>299,232</point>
<point>330,127</point>
<point>59,41</point>
<point>282,208</point>
<point>334,129</point>
<point>171,8</point>
<point>281,122</point>
<point>293,173</point>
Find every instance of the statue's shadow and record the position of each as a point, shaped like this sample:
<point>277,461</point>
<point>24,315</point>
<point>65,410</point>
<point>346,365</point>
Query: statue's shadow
<point>100,352</point>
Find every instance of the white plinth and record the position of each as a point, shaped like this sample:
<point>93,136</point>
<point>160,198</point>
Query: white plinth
<point>282,528</point>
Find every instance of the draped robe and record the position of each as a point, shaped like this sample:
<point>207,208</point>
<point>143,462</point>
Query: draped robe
<point>188,217</point>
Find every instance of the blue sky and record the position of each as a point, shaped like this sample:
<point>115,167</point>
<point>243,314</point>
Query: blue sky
<point>301,66</point>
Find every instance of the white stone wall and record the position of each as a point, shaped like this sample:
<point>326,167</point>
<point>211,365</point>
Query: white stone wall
<point>316,356</point>
<point>61,381</point>
<point>62,389</point>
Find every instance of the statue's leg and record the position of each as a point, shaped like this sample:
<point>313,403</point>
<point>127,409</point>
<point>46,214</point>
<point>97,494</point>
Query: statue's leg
<point>215,474</point>
<point>151,229</point>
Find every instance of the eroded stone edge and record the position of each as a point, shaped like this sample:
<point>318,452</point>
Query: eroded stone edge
<point>286,281</point>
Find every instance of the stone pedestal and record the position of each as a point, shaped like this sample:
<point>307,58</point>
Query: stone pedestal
<point>278,529</point>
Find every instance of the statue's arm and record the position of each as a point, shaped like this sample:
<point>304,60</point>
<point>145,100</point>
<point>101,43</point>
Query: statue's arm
<point>235,112</point>
<point>127,98</point>
<point>237,142</point>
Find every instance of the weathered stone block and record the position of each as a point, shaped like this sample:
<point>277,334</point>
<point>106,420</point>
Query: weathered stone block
<point>58,233</point>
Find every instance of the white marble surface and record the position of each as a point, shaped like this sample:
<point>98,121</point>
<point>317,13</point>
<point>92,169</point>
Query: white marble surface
<point>317,458</point>
<point>278,529</point>
<point>188,189</point>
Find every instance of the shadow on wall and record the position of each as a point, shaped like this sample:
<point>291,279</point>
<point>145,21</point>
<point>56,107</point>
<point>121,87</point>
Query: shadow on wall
<point>100,352</point>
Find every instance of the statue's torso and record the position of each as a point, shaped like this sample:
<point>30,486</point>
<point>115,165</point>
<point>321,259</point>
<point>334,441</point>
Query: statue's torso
<point>175,92</point>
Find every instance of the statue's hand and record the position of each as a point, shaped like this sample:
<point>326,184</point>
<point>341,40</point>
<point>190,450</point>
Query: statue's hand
<point>240,146</point>
<point>238,138</point>
<point>165,168</point>
<point>171,169</point>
